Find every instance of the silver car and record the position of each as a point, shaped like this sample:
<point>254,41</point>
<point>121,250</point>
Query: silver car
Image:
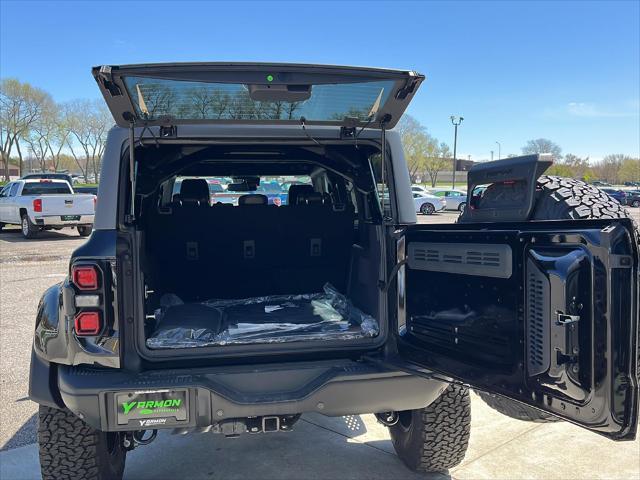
<point>428,204</point>
<point>455,199</point>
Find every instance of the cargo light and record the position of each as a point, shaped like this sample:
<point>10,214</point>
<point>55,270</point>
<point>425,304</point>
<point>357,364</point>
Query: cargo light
<point>37,205</point>
<point>87,324</point>
<point>85,277</point>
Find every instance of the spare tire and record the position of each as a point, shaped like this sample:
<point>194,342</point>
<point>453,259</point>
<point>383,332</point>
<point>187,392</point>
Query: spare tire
<point>558,198</point>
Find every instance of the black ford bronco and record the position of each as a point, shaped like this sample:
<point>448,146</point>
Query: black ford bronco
<point>205,301</point>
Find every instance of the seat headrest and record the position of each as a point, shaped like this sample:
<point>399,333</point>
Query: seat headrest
<point>295,191</point>
<point>194,190</point>
<point>253,199</point>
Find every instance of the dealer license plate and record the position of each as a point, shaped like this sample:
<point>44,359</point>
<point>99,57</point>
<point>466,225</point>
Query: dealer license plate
<point>152,408</point>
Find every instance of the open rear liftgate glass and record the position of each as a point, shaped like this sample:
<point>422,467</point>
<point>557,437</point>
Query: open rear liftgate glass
<point>542,312</point>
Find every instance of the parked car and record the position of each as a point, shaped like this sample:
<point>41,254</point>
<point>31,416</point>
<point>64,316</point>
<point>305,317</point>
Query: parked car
<point>420,189</point>
<point>456,199</point>
<point>50,176</point>
<point>43,204</point>
<point>632,198</point>
<point>619,195</point>
<point>428,204</point>
<point>190,316</point>
<point>632,184</point>
<point>599,183</point>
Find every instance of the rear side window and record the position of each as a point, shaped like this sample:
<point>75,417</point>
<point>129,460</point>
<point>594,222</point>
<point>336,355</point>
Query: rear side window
<point>14,190</point>
<point>46,188</point>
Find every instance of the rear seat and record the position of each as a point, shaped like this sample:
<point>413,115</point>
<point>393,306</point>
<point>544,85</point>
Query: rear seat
<point>256,248</point>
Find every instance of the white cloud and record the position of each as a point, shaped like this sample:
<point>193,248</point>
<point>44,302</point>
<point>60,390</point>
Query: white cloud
<point>591,110</point>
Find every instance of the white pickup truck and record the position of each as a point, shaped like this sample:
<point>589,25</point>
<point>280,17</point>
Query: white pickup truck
<point>45,204</point>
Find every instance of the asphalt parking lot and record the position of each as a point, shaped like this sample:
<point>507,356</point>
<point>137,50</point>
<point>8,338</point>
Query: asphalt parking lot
<point>319,447</point>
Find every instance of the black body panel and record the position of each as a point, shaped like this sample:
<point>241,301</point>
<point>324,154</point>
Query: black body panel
<point>560,333</point>
<point>54,340</point>
<point>223,393</point>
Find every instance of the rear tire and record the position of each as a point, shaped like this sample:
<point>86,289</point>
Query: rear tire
<point>71,449</point>
<point>461,207</point>
<point>434,438</point>
<point>85,231</point>
<point>635,203</point>
<point>427,209</point>
<point>28,229</point>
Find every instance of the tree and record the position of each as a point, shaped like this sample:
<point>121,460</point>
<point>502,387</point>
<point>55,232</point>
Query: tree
<point>89,122</point>
<point>47,135</point>
<point>629,170</point>
<point>543,145</point>
<point>609,167</point>
<point>21,106</point>
<point>415,142</point>
<point>438,159</point>
<point>570,166</point>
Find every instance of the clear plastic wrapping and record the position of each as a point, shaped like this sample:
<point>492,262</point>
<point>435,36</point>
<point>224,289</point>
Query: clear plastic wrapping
<point>271,319</point>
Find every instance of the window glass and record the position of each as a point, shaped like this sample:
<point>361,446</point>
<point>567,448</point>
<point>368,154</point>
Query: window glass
<point>5,190</point>
<point>45,188</point>
<point>223,190</point>
<point>14,190</point>
<point>156,98</point>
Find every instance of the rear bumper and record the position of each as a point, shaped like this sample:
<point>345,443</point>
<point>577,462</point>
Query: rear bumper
<point>215,395</point>
<point>56,221</point>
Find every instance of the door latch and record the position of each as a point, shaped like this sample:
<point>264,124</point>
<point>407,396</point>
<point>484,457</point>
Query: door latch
<point>564,319</point>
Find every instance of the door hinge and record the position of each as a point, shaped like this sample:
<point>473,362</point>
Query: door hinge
<point>106,79</point>
<point>167,131</point>
<point>408,88</point>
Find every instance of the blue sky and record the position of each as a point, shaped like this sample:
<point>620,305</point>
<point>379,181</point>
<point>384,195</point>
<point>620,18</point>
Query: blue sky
<point>568,71</point>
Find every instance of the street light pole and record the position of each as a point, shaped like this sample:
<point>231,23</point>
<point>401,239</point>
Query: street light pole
<point>492,155</point>
<point>499,148</point>
<point>455,121</point>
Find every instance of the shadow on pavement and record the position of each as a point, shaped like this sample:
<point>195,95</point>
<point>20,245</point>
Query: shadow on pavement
<point>15,236</point>
<point>309,451</point>
<point>25,435</point>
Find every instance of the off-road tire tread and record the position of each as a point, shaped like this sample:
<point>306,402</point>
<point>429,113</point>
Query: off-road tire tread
<point>443,433</point>
<point>568,198</point>
<point>71,449</point>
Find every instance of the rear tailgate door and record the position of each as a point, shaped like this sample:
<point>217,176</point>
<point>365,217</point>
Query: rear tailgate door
<point>67,205</point>
<point>263,93</point>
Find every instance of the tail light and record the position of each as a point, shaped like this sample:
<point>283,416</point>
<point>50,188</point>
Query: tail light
<point>87,324</point>
<point>85,277</point>
<point>91,302</point>
<point>37,205</point>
